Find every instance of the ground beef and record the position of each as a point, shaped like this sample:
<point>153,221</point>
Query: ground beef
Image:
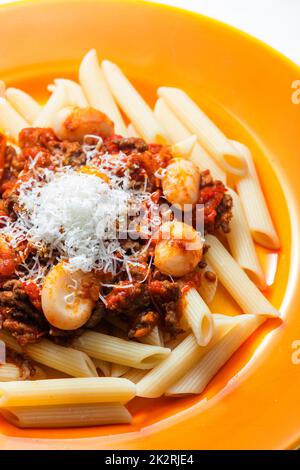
<point>216,204</point>
<point>165,296</point>
<point>18,316</point>
<point>27,368</point>
<point>127,300</point>
<point>143,324</point>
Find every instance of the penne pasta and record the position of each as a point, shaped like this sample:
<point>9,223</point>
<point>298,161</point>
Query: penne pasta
<point>198,317</point>
<point>241,244</point>
<point>120,351</point>
<point>11,122</point>
<point>234,279</point>
<point>24,104</point>
<point>97,91</point>
<point>154,337</point>
<point>208,285</point>
<point>177,131</point>
<point>9,372</point>
<point>103,366</point>
<point>132,132</point>
<point>10,342</point>
<point>184,148</point>
<point>133,105</point>
<point>135,375</point>
<point>67,416</point>
<point>118,370</point>
<point>67,360</point>
<point>55,103</point>
<point>66,391</point>
<point>254,203</point>
<point>197,378</point>
<point>74,91</point>
<point>209,135</point>
<point>182,358</point>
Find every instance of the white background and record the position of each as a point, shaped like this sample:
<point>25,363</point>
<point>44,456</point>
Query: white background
<point>276,22</point>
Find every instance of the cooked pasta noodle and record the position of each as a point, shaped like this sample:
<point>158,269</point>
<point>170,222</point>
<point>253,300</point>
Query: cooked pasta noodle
<point>234,279</point>
<point>66,391</point>
<point>196,379</point>
<point>208,285</point>
<point>59,416</point>
<point>133,104</point>
<point>241,243</point>
<point>68,360</point>
<point>11,122</point>
<point>103,366</point>
<point>182,358</point>
<point>118,370</point>
<point>24,104</point>
<point>74,91</point>
<point>10,341</point>
<point>254,203</point>
<point>120,351</point>
<point>97,92</point>
<point>9,372</point>
<point>197,315</point>
<point>209,135</point>
<point>57,101</point>
<point>177,131</point>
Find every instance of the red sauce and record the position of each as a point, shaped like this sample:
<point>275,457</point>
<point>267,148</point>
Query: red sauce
<point>210,197</point>
<point>190,281</point>
<point>34,294</point>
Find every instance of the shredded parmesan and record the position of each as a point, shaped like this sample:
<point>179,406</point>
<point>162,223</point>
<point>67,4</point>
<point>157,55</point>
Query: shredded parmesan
<point>68,215</point>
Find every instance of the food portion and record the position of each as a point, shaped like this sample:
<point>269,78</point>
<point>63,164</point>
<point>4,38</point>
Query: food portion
<point>109,250</point>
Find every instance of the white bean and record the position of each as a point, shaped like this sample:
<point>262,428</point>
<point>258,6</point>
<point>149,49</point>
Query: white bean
<point>179,250</point>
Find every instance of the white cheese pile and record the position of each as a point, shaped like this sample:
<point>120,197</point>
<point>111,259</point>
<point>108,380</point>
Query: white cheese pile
<point>74,215</point>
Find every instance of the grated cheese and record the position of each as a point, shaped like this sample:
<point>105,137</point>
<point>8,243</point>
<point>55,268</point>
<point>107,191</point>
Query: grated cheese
<point>72,216</point>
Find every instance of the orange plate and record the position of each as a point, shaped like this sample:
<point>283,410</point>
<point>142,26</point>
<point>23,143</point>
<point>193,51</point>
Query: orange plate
<point>246,87</point>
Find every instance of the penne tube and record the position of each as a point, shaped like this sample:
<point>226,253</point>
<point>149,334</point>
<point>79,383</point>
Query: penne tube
<point>60,416</point>
<point>182,358</point>
<point>172,343</point>
<point>24,104</point>
<point>198,317</point>
<point>120,351</point>
<point>133,105</point>
<point>74,91</point>
<point>135,375</point>
<point>177,131</point>
<point>209,135</point>
<point>97,91</point>
<point>55,103</point>
<point>103,366</point>
<point>118,370</point>
<point>9,372</point>
<point>209,283</point>
<point>66,391</point>
<point>11,122</point>
<point>132,132</point>
<point>254,203</point>
<point>241,244</point>
<point>197,378</point>
<point>10,342</point>
<point>184,148</point>
<point>67,360</point>
<point>154,337</point>
<point>236,281</point>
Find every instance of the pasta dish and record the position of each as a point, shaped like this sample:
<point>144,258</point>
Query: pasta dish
<point>117,223</point>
